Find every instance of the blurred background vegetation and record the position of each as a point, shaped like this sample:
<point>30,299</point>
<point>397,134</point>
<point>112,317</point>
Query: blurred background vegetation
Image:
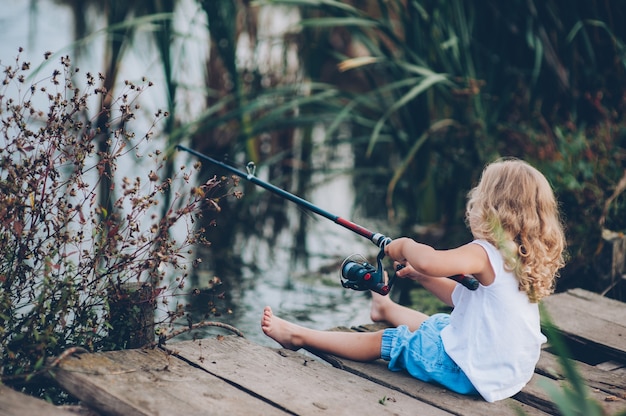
<point>424,93</point>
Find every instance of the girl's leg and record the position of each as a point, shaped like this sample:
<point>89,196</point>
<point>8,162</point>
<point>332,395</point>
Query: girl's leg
<point>358,346</point>
<point>383,309</point>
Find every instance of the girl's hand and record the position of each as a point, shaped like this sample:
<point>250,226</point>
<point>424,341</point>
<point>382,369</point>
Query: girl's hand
<point>440,287</point>
<point>407,272</point>
<point>394,250</point>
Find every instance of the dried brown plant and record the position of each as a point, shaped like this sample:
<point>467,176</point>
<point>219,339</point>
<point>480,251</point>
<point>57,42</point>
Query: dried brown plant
<point>63,256</point>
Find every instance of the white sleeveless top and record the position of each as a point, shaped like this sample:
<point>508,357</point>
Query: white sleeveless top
<point>494,333</point>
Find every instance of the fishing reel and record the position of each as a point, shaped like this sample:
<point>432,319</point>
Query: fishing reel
<point>357,274</point>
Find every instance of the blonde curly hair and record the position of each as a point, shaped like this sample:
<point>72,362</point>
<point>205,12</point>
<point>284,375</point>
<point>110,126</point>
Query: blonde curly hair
<point>513,207</point>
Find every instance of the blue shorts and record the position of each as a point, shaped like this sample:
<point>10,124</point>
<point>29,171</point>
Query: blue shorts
<point>421,353</point>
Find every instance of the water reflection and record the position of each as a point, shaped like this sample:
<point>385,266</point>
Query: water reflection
<point>313,299</point>
<point>306,292</point>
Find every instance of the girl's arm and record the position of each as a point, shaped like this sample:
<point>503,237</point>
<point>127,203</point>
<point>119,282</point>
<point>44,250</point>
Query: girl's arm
<point>425,260</point>
<point>441,288</point>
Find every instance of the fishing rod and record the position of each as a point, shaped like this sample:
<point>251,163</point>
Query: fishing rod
<point>355,273</point>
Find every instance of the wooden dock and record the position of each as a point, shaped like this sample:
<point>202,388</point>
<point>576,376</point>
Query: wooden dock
<point>231,375</point>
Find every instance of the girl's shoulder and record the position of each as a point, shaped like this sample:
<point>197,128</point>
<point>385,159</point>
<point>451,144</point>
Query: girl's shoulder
<point>493,261</point>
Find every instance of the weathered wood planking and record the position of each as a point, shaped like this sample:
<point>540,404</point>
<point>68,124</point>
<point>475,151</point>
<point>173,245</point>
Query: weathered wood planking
<point>230,375</point>
<point>534,394</point>
<point>13,403</point>
<point>152,382</point>
<point>296,383</point>
<point>427,392</point>
<point>581,316</point>
<point>606,382</point>
<point>590,319</point>
<point>597,323</point>
<point>225,375</point>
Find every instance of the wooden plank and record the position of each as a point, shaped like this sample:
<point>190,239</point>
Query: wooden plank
<point>535,394</point>
<point>593,304</point>
<point>608,388</point>
<point>299,384</point>
<point>430,393</point>
<point>14,403</point>
<point>609,365</point>
<point>152,382</point>
<point>610,382</point>
<point>590,319</point>
<point>427,392</point>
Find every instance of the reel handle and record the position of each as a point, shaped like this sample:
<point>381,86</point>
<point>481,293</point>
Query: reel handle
<point>357,274</point>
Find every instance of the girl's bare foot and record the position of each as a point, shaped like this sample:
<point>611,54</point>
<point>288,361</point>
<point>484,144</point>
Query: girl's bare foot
<point>384,309</point>
<point>285,333</point>
<point>379,306</point>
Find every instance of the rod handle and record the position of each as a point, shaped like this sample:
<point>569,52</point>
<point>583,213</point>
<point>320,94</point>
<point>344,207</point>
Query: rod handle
<point>466,280</point>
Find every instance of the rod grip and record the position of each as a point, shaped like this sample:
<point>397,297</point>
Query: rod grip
<point>466,280</point>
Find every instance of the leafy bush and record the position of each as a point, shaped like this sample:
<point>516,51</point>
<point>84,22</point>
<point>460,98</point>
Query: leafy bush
<point>64,256</point>
<point>587,170</point>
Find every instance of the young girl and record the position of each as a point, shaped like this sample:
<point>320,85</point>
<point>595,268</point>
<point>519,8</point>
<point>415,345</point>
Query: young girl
<point>491,341</point>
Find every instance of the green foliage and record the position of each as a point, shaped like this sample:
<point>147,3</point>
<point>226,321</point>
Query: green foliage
<point>62,254</point>
<point>425,92</point>
<point>425,302</point>
<point>411,101</point>
<point>585,166</point>
<point>434,90</point>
